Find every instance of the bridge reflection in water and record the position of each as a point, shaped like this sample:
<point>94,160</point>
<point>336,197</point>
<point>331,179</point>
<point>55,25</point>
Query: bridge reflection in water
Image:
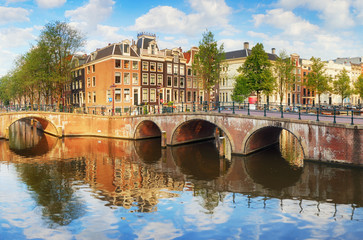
<point>137,175</point>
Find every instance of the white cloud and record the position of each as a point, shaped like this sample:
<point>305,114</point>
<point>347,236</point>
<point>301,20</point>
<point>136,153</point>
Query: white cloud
<point>89,15</point>
<point>6,61</point>
<point>231,44</point>
<point>358,4</point>
<point>257,34</point>
<point>9,14</point>
<point>15,37</point>
<point>50,3</point>
<point>15,1</point>
<point>166,19</point>
<point>335,13</point>
<point>287,21</point>
<point>159,230</point>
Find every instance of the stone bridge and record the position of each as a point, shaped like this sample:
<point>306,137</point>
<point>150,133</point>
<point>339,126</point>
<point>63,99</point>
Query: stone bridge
<point>245,134</point>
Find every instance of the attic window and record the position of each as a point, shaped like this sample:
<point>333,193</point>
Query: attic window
<point>126,48</point>
<point>176,58</point>
<point>153,49</point>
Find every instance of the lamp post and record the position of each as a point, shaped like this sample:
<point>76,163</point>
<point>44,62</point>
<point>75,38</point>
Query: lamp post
<point>113,98</point>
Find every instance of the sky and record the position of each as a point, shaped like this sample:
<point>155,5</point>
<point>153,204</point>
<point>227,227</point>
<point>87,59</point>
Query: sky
<point>321,28</point>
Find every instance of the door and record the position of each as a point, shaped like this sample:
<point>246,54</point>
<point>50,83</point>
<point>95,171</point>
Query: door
<point>136,97</point>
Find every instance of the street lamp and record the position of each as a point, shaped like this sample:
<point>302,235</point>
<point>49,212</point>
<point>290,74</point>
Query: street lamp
<point>113,98</point>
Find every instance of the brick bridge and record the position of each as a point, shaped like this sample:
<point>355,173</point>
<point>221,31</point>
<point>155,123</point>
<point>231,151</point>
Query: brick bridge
<point>245,134</point>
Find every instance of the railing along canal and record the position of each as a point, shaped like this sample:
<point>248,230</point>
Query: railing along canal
<point>334,114</point>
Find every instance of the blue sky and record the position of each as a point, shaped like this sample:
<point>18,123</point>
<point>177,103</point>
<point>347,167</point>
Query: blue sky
<point>322,28</point>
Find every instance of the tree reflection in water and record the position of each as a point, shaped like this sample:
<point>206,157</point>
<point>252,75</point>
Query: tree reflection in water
<point>138,175</point>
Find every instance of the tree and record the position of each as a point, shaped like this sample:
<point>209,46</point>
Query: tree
<point>284,72</point>
<point>358,86</point>
<point>317,79</point>
<point>207,62</point>
<point>62,42</point>
<point>241,90</point>
<point>257,71</point>
<point>342,85</point>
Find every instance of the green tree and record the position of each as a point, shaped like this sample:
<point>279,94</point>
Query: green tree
<point>342,85</point>
<point>284,72</point>
<point>317,79</point>
<point>241,89</point>
<point>62,42</point>
<point>257,71</point>
<point>358,86</point>
<point>207,62</point>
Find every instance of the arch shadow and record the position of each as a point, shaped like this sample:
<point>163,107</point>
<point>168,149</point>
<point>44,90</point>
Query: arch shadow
<point>147,129</point>
<point>47,125</point>
<point>195,130</point>
<point>263,137</point>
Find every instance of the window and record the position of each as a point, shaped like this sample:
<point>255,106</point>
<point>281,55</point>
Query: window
<point>80,84</point>
<point>93,81</point>
<point>145,80</point>
<point>88,69</point>
<point>189,83</point>
<point>135,65</point>
<point>88,82</point>
<point>181,96</point>
<point>181,82</point>
<point>79,73</point>
<point>89,97</point>
<point>144,95</point>
<point>117,77</point>
<point>152,79</point>
<point>175,81</point>
<point>160,79</point>
<point>189,72</point>
<point>176,58</point>
<point>135,78</point>
<point>94,97</point>
<point>75,74</point>
<point>108,95</point>
<point>126,48</point>
<point>126,64</point>
<point>77,85</point>
<point>175,99</point>
<point>182,70</point>
<point>118,95</point>
<point>93,68</point>
<point>194,96</point>
<point>175,68</point>
<point>126,95</point>
<point>153,49</point>
<point>169,69</point>
<point>127,78</point>
<point>189,96</point>
<point>117,63</point>
<point>153,66</point>
<point>169,81</point>
<point>152,95</point>
<point>160,67</point>
<point>145,66</point>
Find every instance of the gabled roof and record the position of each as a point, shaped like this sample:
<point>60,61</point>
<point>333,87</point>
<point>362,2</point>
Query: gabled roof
<point>245,53</point>
<point>111,49</point>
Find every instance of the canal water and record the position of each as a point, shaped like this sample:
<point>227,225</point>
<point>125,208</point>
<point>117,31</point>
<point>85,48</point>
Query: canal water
<point>98,188</point>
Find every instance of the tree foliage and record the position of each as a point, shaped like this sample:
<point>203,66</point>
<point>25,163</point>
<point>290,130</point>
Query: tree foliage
<point>257,71</point>
<point>317,79</point>
<point>284,73</point>
<point>241,90</point>
<point>342,85</point>
<point>358,86</point>
<point>43,71</point>
<point>207,62</point>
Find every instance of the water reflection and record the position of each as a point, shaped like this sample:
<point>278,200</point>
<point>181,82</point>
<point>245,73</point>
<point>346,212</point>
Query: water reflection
<point>190,185</point>
<point>291,149</point>
<point>25,139</point>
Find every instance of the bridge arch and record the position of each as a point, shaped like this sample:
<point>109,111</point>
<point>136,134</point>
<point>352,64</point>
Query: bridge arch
<point>47,125</point>
<point>256,139</point>
<point>197,129</point>
<point>147,129</point>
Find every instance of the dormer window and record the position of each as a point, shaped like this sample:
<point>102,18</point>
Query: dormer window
<point>176,58</point>
<point>153,49</point>
<point>126,48</point>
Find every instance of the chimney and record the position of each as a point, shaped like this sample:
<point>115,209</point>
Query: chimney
<point>246,45</point>
<point>273,50</point>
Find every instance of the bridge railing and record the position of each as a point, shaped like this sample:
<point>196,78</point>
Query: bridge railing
<point>335,114</point>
